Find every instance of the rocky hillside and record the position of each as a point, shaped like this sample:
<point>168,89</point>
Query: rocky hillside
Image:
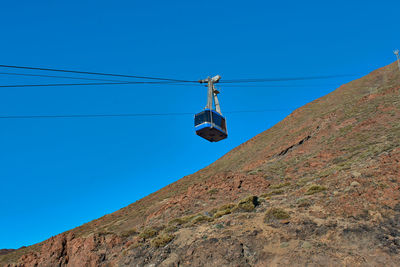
<point>5,251</point>
<point>320,188</point>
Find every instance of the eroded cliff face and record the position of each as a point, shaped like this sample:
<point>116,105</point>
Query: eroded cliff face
<point>319,188</point>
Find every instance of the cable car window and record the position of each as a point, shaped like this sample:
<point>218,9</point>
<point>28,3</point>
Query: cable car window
<point>217,119</point>
<point>198,118</point>
<point>202,117</point>
<point>223,124</point>
<point>207,116</point>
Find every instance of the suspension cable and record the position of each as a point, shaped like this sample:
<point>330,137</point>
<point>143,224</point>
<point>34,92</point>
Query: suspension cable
<point>284,79</point>
<point>126,114</point>
<point>97,73</point>
<point>79,84</point>
<point>57,76</point>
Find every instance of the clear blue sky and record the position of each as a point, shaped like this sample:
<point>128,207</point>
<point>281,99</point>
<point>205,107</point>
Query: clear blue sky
<point>56,174</point>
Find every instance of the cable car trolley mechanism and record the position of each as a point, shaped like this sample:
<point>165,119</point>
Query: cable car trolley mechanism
<point>210,124</point>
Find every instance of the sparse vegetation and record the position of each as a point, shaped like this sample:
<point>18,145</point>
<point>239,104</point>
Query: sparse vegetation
<point>304,180</point>
<point>200,219</point>
<point>188,221</point>
<point>182,220</point>
<point>382,185</point>
<point>221,211</point>
<point>148,233</point>
<point>162,240</point>
<point>254,172</point>
<point>171,229</point>
<point>223,207</point>
<point>213,191</point>
<point>105,232</point>
<point>277,168</point>
<point>219,226</point>
<point>327,172</point>
<point>130,232</point>
<point>273,192</point>
<point>278,186</point>
<point>303,202</point>
<point>247,204</point>
<point>275,214</point>
<point>315,188</point>
<point>345,130</point>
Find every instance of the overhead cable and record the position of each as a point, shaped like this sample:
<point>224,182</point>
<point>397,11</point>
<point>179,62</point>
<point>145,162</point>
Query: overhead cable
<point>124,114</point>
<point>79,84</point>
<point>57,76</point>
<point>252,80</point>
<point>283,79</point>
<point>97,73</point>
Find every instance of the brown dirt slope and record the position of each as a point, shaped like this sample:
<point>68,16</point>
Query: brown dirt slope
<point>320,188</point>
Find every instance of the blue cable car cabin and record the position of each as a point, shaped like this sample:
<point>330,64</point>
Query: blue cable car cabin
<point>210,125</point>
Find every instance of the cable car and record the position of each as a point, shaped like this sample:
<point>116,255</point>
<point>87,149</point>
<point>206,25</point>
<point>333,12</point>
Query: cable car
<point>209,123</point>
